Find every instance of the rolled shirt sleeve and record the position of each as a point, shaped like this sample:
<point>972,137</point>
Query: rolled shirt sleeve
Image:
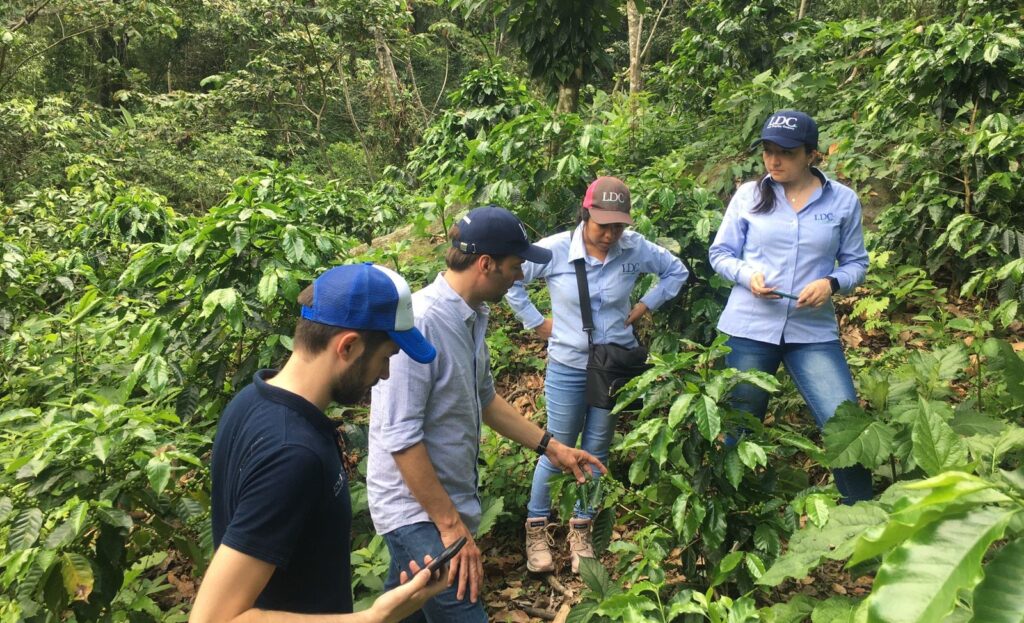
<point>519,300</point>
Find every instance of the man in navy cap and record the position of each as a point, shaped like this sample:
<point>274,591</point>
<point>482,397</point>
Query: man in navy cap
<point>425,420</point>
<point>282,515</point>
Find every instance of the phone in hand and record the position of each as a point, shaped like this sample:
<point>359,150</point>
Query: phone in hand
<point>785,294</point>
<point>446,555</point>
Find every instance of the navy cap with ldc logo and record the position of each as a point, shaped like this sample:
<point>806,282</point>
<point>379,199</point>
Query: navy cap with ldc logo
<point>608,200</point>
<point>492,230</point>
<point>789,129</point>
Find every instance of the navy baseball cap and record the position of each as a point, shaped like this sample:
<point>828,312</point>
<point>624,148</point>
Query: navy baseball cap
<point>496,231</point>
<point>789,129</point>
<point>367,297</point>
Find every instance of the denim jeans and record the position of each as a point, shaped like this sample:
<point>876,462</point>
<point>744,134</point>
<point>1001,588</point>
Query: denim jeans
<point>568,416</point>
<point>414,542</point>
<point>820,373</point>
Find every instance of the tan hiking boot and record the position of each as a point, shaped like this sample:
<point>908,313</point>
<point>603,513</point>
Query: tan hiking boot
<point>538,545</point>
<point>580,545</point>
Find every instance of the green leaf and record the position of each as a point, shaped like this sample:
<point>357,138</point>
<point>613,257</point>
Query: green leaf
<point>225,298</point>
<point>677,413</point>
<point>919,580</point>
<point>159,473</point>
<point>6,506</point>
<point>25,529</point>
<point>78,576</point>
<point>266,291</point>
<point>937,447</point>
<point>492,509</point>
<point>101,448</point>
<point>835,609</point>
<point>679,514</point>
<point>68,531</point>
<point>809,546</point>
<point>752,455</point>
<point>733,467</point>
<point>999,598</point>
<point>626,607</point>
<point>601,535</point>
<point>816,506</point>
<point>595,576</point>
<point>853,437</point>
<point>709,420</point>
<point>726,567</point>
<point>294,245</point>
<point>795,611</point>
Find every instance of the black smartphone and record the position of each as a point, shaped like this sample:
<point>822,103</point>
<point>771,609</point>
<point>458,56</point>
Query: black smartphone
<point>446,555</point>
<point>785,294</point>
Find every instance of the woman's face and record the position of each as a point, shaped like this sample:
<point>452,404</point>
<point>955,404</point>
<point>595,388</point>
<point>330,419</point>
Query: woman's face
<point>786,165</point>
<point>602,237</point>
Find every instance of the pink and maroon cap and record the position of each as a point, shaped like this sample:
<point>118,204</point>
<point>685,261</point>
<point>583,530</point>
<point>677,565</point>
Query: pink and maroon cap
<point>607,199</point>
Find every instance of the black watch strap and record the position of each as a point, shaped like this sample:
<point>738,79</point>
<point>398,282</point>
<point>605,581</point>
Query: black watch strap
<point>834,283</point>
<point>542,447</point>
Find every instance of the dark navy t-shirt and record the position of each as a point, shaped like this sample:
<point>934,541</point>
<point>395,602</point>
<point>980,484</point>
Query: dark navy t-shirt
<point>280,495</point>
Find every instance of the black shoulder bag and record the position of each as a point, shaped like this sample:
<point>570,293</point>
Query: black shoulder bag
<point>609,366</point>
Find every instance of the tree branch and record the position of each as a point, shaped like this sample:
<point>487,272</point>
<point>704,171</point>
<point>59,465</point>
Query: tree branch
<point>14,71</point>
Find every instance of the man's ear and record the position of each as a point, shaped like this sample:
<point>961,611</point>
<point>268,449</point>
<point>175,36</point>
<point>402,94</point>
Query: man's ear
<point>348,345</point>
<point>485,263</point>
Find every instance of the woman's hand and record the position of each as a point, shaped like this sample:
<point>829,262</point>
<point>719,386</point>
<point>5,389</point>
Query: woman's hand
<point>815,294</point>
<point>634,314</point>
<point>543,330</point>
<point>758,288</point>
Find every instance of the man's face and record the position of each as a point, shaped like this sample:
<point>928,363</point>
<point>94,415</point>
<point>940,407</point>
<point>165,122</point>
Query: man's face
<point>502,276</point>
<point>352,385</point>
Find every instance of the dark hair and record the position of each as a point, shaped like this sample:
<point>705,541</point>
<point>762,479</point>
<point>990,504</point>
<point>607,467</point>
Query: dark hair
<point>458,261</point>
<point>765,194</point>
<point>314,337</point>
<point>584,216</point>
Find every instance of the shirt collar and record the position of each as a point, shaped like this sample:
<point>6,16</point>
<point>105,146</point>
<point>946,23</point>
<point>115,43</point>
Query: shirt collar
<point>826,182</point>
<point>454,299</point>
<point>300,405</point>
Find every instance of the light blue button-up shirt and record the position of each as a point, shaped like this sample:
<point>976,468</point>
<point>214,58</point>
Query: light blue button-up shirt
<point>440,404</point>
<point>792,249</point>
<point>610,283</point>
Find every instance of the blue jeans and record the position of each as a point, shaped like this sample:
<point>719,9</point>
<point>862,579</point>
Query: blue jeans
<point>414,542</point>
<point>820,373</point>
<point>568,416</point>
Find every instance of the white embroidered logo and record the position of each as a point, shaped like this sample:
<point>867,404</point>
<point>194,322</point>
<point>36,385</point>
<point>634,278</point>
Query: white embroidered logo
<point>613,197</point>
<point>781,121</point>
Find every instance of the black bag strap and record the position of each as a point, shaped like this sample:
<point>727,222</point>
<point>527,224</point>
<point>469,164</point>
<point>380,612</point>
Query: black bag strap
<point>584,288</point>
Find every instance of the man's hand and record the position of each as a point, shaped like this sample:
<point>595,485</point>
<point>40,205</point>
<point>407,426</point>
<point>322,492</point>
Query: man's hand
<point>573,460</point>
<point>815,294</point>
<point>400,602</point>
<point>758,288</point>
<point>634,314</point>
<point>543,330</point>
<point>467,565</point>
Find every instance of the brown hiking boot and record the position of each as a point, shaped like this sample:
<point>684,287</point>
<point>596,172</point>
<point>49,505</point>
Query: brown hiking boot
<point>538,545</point>
<point>580,545</point>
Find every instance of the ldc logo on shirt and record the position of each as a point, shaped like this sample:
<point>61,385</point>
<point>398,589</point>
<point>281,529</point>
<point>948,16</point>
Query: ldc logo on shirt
<point>340,485</point>
<point>630,268</point>
<point>828,217</point>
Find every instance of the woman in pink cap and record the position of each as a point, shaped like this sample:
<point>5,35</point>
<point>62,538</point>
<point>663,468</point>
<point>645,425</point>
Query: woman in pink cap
<point>613,258</point>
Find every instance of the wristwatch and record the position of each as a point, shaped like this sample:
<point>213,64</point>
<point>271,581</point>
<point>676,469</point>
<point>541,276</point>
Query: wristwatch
<point>834,283</point>
<point>542,447</point>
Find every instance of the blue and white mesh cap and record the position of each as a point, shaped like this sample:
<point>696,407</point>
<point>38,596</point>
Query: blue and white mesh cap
<point>368,297</point>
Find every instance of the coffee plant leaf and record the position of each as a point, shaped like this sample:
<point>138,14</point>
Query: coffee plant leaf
<point>999,598</point>
<point>25,530</point>
<point>813,544</point>
<point>853,436</point>
<point>78,576</point>
<point>919,580</point>
<point>937,447</point>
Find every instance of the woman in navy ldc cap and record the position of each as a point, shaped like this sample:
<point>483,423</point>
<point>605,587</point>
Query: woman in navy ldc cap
<point>789,242</point>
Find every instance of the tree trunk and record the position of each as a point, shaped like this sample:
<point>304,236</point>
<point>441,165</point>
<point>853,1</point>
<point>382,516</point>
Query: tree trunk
<point>803,9</point>
<point>387,69</point>
<point>636,24</point>
<point>568,96</point>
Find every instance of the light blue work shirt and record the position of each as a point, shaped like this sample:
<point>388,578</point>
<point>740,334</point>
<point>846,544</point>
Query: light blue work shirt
<point>440,404</point>
<point>611,283</point>
<point>792,249</point>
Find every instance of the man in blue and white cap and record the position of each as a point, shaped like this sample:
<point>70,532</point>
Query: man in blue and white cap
<point>425,421</point>
<point>282,515</point>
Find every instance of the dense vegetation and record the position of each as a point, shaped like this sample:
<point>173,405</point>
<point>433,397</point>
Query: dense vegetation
<point>172,172</point>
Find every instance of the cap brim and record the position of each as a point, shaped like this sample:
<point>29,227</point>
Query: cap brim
<point>607,217</point>
<point>414,344</point>
<point>782,141</point>
<point>535,254</point>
